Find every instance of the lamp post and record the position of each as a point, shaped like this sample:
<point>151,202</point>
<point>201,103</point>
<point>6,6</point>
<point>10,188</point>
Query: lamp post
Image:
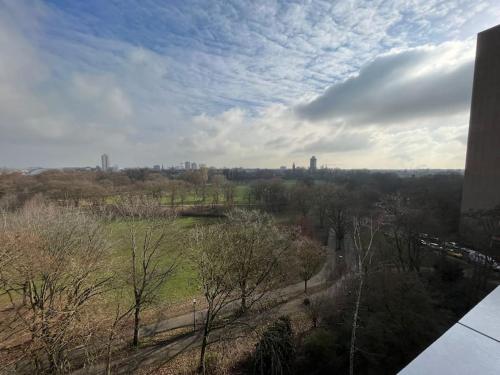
<point>194,314</point>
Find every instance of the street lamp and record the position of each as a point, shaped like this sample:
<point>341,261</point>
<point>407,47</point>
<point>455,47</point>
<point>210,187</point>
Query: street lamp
<point>194,314</point>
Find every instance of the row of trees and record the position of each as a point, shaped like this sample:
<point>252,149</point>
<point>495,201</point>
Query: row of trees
<point>196,187</point>
<point>71,298</point>
<point>395,298</point>
<point>63,281</point>
<point>243,259</point>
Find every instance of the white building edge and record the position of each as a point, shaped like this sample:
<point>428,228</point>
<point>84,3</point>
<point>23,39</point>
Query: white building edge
<point>470,347</point>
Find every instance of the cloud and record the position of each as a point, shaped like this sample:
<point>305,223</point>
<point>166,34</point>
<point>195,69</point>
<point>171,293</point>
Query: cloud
<point>341,142</point>
<point>416,83</point>
<point>218,82</point>
<point>279,142</point>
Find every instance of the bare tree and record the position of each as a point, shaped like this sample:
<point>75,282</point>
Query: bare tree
<point>151,258</point>
<point>121,312</point>
<point>363,233</point>
<point>337,214</point>
<point>217,184</point>
<point>156,186</point>
<point>403,224</point>
<point>309,257</point>
<point>483,228</point>
<point>239,260</point>
<point>316,307</point>
<point>229,193</point>
<point>258,247</point>
<point>51,284</point>
<point>213,260</point>
<point>184,190</point>
<point>301,197</point>
<point>173,188</point>
<point>320,200</point>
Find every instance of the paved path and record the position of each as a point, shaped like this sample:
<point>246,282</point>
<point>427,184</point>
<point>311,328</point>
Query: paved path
<point>157,355</point>
<point>162,352</point>
<point>186,320</point>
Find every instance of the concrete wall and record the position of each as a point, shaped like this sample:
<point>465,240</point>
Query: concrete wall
<point>481,190</point>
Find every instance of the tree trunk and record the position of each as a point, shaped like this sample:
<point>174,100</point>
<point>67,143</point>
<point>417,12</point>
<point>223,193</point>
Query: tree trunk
<point>137,311</point>
<point>355,326</point>
<point>339,238</point>
<point>243,289</point>
<point>305,286</point>
<point>108,351</point>
<point>243,303</point>
<point>204,343</point>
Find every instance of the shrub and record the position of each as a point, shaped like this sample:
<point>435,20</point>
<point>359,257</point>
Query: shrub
<point>275,351</point>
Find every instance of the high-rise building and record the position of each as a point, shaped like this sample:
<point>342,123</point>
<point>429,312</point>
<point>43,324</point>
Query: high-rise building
<point>187,165</point>
<point>481,189</point>
<point>313,164</point>
<point>194,165</point>
<point>104,162</point>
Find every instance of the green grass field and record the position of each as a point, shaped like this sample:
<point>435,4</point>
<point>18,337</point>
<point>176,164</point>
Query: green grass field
<point>240,197</point>
<point>184,282</point>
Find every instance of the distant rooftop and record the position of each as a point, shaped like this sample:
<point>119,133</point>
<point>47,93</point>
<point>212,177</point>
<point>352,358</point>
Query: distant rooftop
<point>472,346</point>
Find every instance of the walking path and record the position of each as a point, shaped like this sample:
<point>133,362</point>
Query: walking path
<point>162,352</point>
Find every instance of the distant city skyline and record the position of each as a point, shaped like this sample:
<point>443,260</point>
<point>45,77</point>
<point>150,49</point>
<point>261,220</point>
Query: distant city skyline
<point>235,83</point>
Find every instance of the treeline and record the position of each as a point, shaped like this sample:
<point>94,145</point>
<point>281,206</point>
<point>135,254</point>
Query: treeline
<point>93,188</point>
<point>394,296</point>
<point>439,196</point>
<point>68,301</point>
<point>388,298</point>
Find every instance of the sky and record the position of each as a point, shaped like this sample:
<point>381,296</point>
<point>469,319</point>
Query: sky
<point>229,83</point>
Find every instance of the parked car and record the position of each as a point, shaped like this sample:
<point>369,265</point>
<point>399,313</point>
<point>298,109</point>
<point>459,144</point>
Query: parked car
<point>435,246</point>
<point>454,253</point>
<point>452,245</point>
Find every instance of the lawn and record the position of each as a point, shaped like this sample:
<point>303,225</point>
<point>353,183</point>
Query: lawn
<point>183,284</point>
<point>240,196</point>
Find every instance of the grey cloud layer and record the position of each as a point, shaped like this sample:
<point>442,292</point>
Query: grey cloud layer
<point>342,142</point>
<point>389,90</point>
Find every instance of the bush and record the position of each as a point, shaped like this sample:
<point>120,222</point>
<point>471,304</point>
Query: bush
<point>318,349</point>
<point>275,351</point>
<point>448,271</point>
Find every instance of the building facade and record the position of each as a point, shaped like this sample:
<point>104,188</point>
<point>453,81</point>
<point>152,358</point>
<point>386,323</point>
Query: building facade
<point>481,190</point>
<point>313,164</point>
<point>104,162</point>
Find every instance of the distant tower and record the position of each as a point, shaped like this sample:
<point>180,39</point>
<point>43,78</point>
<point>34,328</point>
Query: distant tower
<point>481,189</point>
<point>293,167</point>
<point>313,164</point>
<point>194,165</point>
<point>104,162</point>
<point>187,165</point>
